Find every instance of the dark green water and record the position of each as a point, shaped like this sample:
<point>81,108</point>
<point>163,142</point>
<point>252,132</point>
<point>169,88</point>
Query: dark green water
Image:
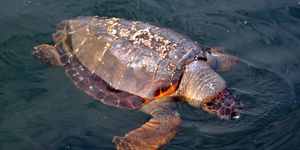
<point>41,109</point>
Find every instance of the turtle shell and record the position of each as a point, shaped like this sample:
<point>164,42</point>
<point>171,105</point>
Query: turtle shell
<point>123,63</point>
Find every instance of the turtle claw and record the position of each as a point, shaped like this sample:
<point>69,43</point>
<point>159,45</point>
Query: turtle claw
<point>224,105</point>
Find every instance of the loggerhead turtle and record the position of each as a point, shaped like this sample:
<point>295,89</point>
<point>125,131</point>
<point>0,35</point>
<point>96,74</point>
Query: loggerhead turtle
<point>136,65</point>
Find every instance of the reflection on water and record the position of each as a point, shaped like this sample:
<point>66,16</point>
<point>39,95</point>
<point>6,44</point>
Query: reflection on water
<point>38,113</point>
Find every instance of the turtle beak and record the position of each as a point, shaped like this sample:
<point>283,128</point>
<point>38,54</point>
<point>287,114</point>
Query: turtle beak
<point>224,105</point>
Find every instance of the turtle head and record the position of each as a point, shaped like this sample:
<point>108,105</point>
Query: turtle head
<point>202,87</point>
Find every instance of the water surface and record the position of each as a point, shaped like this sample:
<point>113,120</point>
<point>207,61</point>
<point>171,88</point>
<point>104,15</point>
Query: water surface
<point>41,109</point>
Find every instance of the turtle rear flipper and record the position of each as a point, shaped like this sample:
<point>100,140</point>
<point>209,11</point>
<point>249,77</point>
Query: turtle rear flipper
<point>220,59</point>
<point>157,132</point>
<point>48,54</point>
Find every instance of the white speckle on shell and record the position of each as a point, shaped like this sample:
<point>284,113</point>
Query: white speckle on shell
<point>80,78</point>
<point>76,50</point>
<point>118,45</point>
<point>212,87</point>
<point>128,64</point>
<point>91,88</point>
<point>99,37</point>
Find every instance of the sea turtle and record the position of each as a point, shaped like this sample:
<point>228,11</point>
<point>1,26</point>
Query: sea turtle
<point>137,65</point>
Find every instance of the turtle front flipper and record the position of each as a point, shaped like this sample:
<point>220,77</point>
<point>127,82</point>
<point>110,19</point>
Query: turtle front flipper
<point>48,54</point>
<point>220,60</point>
<point>157,132</point>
